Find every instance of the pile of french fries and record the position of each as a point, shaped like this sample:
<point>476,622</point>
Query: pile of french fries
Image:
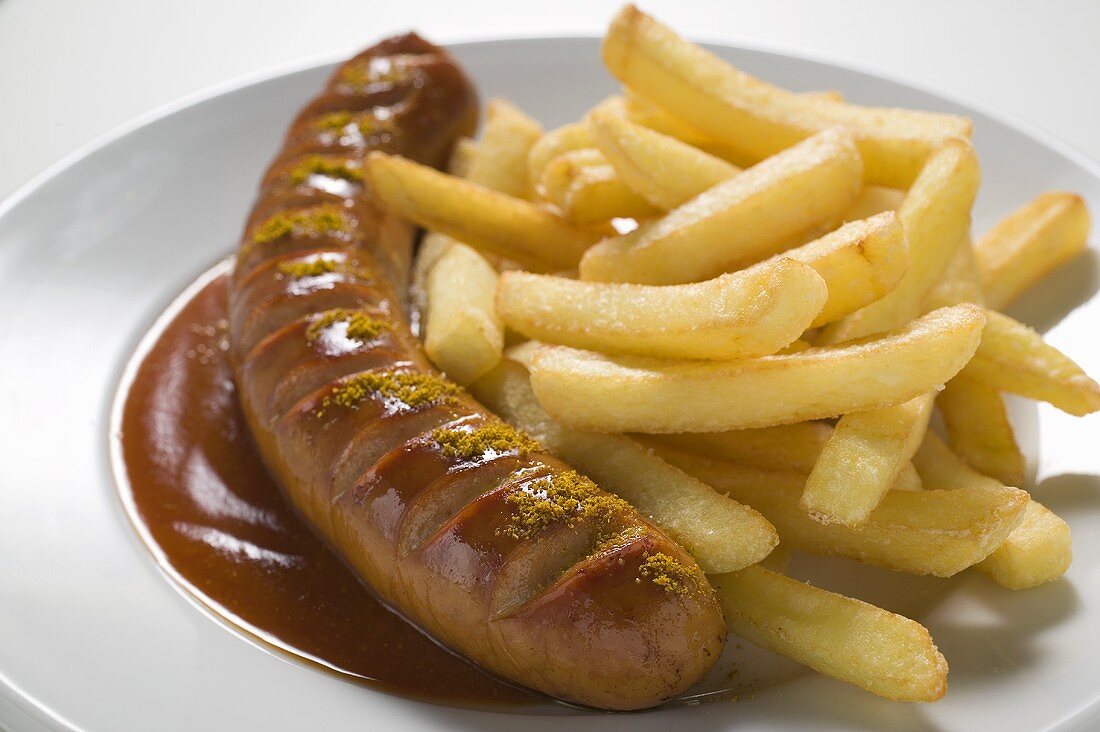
<point>738,307</point>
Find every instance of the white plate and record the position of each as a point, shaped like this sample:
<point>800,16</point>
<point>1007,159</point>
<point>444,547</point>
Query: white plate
<point>92,636</point>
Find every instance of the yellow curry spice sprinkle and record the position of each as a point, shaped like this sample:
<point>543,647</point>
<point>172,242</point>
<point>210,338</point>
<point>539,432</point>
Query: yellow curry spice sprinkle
<point>498,438</point>
<point>308,268</point>
<point>666,572</point>
<point>566,497</point>
<point>324,166</point>
<point>334,121</point>
<point>317,221</point>
<point>360,326</point>
<point>378,70</point>
<point>409,389</point>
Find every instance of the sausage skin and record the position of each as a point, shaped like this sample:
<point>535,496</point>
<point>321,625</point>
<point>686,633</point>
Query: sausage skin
<point>495,548</point>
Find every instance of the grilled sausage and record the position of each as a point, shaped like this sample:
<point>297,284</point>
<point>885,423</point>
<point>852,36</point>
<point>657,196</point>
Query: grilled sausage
<point>464,525</point>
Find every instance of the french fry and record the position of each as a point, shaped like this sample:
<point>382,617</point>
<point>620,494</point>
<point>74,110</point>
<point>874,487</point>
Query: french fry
<point>874,200</point>
<point>745,219</point>
<point>1029,243</point>
<point>601,393</point>
<point>476,215</point>
<point>720,533</point>
<point>937,532</point>
<point>462,157</point>
<point>860,263</point>
<point>666,172</point>
<point>876,650</point>
<point>1037,551</point>
<point>464,336</point>
<point>642,112</point>
<point>862,459</point>
<point>586,188</point>
<point>669,172</point>
<point>936,219</point>
<point>754,312</point>
<point>787,447</point>
<point>975,414</point>
<point>1014,358</point>
<point>431,248</point>
<point>979,429</point>
<point>501,163</point>
<point>759,119</point>
<point>551,145</point>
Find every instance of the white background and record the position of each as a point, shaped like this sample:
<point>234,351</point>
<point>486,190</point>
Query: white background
<point>71,70</point>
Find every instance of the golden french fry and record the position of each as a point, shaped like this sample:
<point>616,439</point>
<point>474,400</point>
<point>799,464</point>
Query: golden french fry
<point>979,429</point>
<point>874,200</point>
<point>860,263</point>
<point>1014,358</point>
<point>501,163</point>
<point>462,157</point>
<point>551,145</point>
<point>430,249</point>
<point>936,219</point>
<point>754,312</point>
<point>745,219</point>
<point>602,393</point>
<point>640,111</point>
<point>862,459</point>
<point>1037,551</point>
<point>787,447</point>
<point>720,533</point>
<point>475,215</point>
<point>759,119</point>
<point>1029,243</point>
<point>847,639</point>
<point>666,172</point>
<point>937,532</point>
<point>586,188</point>
<point>464,336</point>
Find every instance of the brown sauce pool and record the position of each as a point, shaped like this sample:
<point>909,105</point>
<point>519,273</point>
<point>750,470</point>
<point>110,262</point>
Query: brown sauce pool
<point>202,499</point>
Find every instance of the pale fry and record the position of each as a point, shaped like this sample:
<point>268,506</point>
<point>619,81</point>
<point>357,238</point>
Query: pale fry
<point>979,428</point>
<point>554,143</point>
<point>720,533</point>
<point>937,532</point>
<point>476,215</point>
<point>1014,358</point>
<point>505,144</point>
<point>601,393</point>
<point>936,219</point>
<point>874,200</point>
<point>462,157</point>
<point>788,447</point>
<point>428,252</point>
<point>860,262</point>
<point>745,219</point>
<point>847,639</point>
<point>1029,243</point>
<point>587,189</point>
<point>975,414</point>
<point>1038,550</point>
<point>755,117</point>
<point>464,336</point>
<point>669,172</point>
<point>754,312</point>
<point>666,172</point>
<point>862,459</point>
